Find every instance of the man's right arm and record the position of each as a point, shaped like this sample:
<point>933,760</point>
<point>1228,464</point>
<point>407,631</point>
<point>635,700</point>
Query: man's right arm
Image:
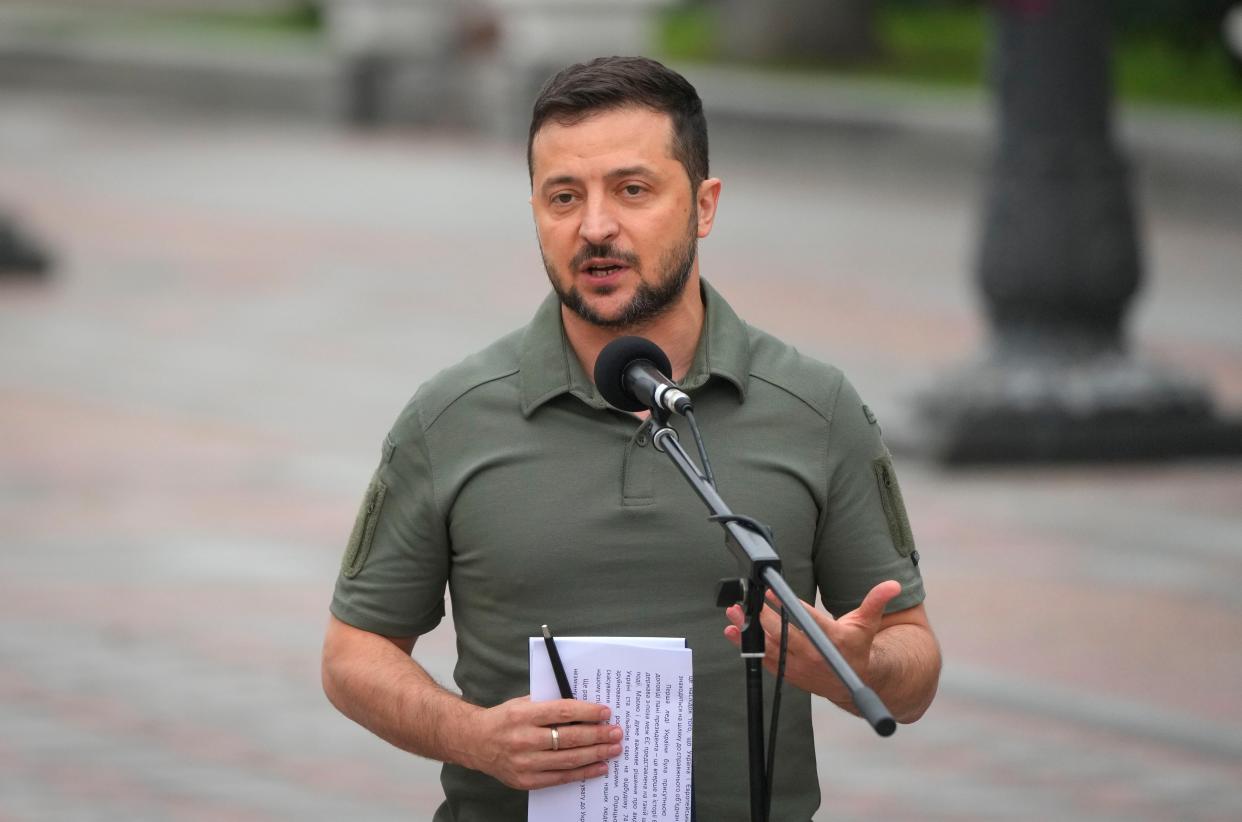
<point>373,680</point>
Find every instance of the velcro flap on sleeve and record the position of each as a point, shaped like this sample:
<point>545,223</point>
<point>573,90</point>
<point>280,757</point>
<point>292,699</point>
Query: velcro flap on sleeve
<point>894,506</point>
<point>364,528</point>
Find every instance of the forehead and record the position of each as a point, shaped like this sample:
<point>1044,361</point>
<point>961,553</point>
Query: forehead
<point>612,138</point>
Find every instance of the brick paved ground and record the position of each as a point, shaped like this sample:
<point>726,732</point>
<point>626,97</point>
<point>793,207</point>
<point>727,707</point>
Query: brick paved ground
<point>191,408</point>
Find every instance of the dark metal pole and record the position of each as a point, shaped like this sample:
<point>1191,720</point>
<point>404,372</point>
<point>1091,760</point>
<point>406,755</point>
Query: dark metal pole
<point>1059,262</point>
<point>1059,265</point>
<point>755,736</point>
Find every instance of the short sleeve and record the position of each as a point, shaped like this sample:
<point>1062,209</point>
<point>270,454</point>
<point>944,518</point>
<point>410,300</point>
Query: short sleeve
<point>865,536</point>
<point>395,567</point>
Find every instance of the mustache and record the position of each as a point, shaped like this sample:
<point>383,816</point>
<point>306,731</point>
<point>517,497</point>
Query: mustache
<point>591,251</point>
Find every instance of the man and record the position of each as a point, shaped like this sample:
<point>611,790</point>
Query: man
<point>508,479</point>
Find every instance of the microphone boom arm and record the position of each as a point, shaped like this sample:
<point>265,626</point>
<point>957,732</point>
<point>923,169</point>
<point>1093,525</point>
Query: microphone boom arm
<point>761,565</point>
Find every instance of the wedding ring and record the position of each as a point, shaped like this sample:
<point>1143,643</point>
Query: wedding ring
<point>556,739</point>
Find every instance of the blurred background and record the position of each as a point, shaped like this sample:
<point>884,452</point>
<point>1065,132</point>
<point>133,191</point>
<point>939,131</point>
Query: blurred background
<point>236,235</point>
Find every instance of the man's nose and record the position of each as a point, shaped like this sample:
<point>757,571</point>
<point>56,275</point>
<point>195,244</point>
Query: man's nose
<point>599,224</point>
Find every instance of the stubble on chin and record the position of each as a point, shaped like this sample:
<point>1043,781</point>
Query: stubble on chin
<point>648,302</point>
<point>572,299</point>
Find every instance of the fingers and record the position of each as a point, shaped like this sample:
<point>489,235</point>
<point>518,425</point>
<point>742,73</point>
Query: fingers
<point>770,618</point>
<point>548,778</point>
<point>871,610</point>
<point>733,631</point>
<point>581,753</point>
<point>522,753</point>
<point>568,759</point>
<point>852,634</point>
<point>571,737</point>
<point>564,712</point>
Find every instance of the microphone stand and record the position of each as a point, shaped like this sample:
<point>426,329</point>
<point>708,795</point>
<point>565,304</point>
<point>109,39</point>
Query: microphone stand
<point>760,566</point>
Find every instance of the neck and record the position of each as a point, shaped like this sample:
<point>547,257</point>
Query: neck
<point>676,331</point>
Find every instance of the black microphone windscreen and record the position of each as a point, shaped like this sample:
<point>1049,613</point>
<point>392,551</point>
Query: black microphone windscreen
<point>616,358</point>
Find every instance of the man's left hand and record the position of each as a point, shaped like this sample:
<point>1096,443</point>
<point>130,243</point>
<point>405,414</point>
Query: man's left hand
<point>853,634</point>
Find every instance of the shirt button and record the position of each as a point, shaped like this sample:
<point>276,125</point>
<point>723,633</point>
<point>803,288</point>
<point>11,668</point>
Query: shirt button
<point>642,440</point>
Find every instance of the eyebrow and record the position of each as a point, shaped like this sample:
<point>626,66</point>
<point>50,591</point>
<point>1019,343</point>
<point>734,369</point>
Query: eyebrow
<point>627,171</point>
<point>632,171</point>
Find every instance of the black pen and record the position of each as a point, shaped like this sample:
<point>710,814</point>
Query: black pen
<point>558,667</point>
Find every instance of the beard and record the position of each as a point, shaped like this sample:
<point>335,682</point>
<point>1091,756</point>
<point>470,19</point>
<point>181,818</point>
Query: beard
<point>649,300</point>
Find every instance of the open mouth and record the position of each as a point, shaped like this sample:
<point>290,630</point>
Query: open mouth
<point>602,267</point>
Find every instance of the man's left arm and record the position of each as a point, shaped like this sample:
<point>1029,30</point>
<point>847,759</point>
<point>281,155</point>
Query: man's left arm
<point>896,654</point>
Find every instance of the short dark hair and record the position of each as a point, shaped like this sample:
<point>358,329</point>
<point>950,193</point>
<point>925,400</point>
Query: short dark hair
<point>577,91</point>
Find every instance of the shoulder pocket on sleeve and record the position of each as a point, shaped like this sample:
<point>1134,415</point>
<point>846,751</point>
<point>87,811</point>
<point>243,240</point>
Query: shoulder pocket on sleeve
<point>894,506</point>
<point>364,528</point>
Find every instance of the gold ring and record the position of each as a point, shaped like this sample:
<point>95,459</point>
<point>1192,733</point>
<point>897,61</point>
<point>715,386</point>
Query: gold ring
<point>556,739</point>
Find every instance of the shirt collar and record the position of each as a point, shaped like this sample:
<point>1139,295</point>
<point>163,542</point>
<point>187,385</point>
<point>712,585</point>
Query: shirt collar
<point>549,367</point>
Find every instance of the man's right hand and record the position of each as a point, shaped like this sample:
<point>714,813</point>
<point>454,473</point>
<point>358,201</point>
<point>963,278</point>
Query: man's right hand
<point>513,742</point>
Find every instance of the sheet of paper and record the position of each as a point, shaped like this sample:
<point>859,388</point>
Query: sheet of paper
<point>649,684</point>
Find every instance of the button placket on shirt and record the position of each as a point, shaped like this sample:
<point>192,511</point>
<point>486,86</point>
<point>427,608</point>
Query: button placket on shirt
<point>636,483</point>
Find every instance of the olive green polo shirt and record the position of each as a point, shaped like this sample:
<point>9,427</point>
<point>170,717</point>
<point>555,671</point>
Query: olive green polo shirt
<point>510,481</point>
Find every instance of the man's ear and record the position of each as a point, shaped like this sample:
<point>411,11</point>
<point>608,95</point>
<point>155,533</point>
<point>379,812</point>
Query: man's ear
<point>707,198</point>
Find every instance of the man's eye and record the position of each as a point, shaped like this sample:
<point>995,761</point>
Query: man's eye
<point>563,198</point>
<point>633,189</point>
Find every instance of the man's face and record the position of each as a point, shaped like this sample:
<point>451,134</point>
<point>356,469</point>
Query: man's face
<point>616,219</point>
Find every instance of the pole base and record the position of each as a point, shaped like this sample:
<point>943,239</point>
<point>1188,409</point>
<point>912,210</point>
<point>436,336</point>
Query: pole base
<point>1043,409</point>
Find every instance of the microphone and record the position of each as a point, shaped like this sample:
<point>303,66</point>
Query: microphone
<point>632,374</point>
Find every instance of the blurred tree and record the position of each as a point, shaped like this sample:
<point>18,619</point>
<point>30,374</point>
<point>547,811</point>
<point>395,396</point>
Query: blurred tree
<point>796,31</point>
<point>1188,24</point>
